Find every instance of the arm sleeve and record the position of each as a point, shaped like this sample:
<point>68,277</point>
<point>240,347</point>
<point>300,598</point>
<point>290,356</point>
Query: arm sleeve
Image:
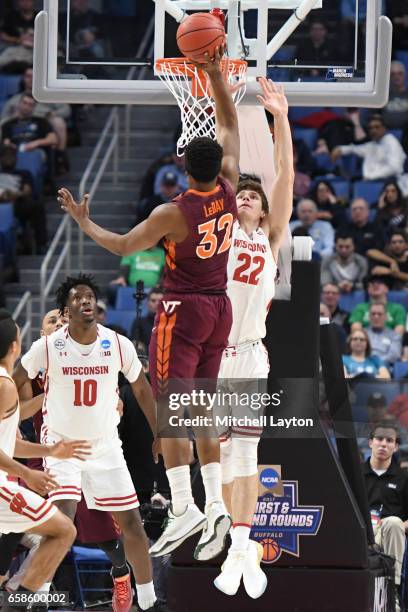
<point>131,365</point>
<point>395,349</point>
<point>400,315</point>
<point>362,273</point>
<point>328,241</point>
<point>37,358</point>
<point>360,150</point>
<point>326,273</point>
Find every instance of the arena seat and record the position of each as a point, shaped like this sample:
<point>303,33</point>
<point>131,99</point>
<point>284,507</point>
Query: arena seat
<point>125,299</point>
<point>369,190</point>
<point>7,236</point>
<point>341,188</point>
<point>398,297</point>
<point>366,387</point>
<point>300,112</point>
<point>9,85</point>
<point>396,133</point>
<point>90,562</point>
<point>350,165</point>
<point>349,300</point>
<point>124,318</point>
<point>33,162</point>
<point>308,135</point>
<point>400,369</point>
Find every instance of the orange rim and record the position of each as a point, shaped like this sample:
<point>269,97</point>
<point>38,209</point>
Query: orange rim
<point>177,65</point>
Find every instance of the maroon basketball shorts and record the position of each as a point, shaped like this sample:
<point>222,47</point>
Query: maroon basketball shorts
<point>189,336</point>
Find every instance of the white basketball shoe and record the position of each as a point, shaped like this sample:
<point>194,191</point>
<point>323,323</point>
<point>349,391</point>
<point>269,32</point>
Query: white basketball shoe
<point>255,580</point>
<point>232,569</point>
<point>178,529</point>
<point>212,540</point>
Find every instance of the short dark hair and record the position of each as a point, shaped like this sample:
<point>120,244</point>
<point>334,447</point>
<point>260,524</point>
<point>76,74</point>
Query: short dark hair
<point>155,290</point>
<point>398,232</point>
<point>8,332</point>
<point>26,94</point>
<point>69,283</point>
<point>368,343</point>
<point>254,184</point>
<point>376,117</point>
<point>203,159</point>
<point>385,425</point>
<point>344,234</point>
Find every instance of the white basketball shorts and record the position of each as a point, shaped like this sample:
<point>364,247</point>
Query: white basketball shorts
<point>21,509</point>
<point>103,477</point>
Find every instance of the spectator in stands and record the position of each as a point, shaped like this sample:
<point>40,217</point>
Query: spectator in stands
<point>395,112</point>
<point>16,186</point>
<point>27,131</point>
<point>359,362</point>
<point>85,32</point>
<point>330,208</point>
<point>18,33</point>
<point>383,157</point>
<point>385,343</point>
<point>177,167</point>
<point>340,331</point>
<point>316,48</point>
<point>169,189</point>
<point>397,10</point>
<point>331,298</point>
<point>345,268</point>
<point>366,234</point>
<point>392,208</point>
<point>56,114</point>
<point>393,262</point>
<point>321,231</point>
<point>387,492</point>
<point>142,328</point>
<point>101,310</point>
<point>343,130</point>
<point>377,290</point>
<point>146,266</point>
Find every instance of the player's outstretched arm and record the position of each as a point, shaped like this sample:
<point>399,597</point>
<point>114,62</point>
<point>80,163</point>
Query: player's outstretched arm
<point>226,119</point>
<point>163,220</point>
<point>30,407</point>
<point>281,200</point>
<point>75,449</point>
<point>144,397</point>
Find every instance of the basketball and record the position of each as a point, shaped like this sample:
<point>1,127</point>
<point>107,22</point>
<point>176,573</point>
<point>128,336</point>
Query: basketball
<point>200,33</point>
<point>271,550</point>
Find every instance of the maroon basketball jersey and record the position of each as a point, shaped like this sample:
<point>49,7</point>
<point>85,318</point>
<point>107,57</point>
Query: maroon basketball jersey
<point>199,263</point>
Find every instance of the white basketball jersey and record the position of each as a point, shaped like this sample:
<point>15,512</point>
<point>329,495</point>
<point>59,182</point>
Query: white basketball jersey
<point>8,428</point>
<point>81,391</point>
<point>251,284</point>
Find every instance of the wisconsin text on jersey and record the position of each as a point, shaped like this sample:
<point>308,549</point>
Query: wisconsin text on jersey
<point>251,246</point>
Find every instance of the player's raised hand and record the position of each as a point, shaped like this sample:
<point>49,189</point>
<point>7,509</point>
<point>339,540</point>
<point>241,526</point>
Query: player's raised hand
<point>40,482</point>
<point>79,212</point>
<point>76,449</point>
<point>273,97</point>
<point>211,65</point>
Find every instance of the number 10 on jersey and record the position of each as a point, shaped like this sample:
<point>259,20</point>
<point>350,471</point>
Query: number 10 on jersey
<point>85,392</point>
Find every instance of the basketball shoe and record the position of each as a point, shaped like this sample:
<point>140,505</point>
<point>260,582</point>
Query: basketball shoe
<point>122,594</point>
<point>232,569</point>
<point>212,540</point>
<point>255,580</point>
<point>177,529</point>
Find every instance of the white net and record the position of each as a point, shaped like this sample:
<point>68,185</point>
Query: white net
<point>191,88</point>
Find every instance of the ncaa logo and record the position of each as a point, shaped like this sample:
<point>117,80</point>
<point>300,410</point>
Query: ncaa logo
<point>105,344</point>
<point>269,478</point>
<point>59,344</point>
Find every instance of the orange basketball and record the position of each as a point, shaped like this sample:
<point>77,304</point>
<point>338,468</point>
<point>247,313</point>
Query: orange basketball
<point>200,33</point>
<point>271,550</point>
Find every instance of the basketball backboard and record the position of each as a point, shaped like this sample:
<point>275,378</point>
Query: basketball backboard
<point>109,58</point>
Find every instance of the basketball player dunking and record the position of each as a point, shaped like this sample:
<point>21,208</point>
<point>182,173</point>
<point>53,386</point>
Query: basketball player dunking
<point>21,509</point>
<point>194,319</point>
<point>256,238</point>
<point>82,361</point>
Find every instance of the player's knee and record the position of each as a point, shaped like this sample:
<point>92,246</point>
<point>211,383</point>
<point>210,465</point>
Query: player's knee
<point>131,524</point>
<point>245,456</point>
<point>66,531</point>
<point>227,463</point>
<point>393,523</point>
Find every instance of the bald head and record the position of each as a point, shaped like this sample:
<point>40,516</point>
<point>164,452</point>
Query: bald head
<point>52,321</point>
<point>360,212</point>
<point>306,212</point>
<point>398,76</point>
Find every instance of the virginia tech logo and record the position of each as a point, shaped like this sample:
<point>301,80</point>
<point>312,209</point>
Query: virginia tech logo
<point>279,520</point>
<point>170,307</point>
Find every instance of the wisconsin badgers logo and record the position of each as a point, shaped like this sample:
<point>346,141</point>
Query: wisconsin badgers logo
<point>18,503</point>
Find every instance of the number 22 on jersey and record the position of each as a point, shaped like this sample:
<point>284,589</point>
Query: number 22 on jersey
<point>250,270</point>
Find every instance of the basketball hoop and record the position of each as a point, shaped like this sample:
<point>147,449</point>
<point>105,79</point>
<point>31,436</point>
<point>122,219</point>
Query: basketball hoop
<point>191,88</point>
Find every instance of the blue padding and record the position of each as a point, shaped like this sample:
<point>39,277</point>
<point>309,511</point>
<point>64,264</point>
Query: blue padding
<point>124,318</point>
<point>83,554</point>
<point>9,85</point>
<point>33,162</point>
<point>398,297</point>
<point>400,369</point>
<point>7,236</point>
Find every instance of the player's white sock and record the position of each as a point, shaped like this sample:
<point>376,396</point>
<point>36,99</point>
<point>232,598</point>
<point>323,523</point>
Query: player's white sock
<point>240,537</point>
<point>180,487</point>
<point>211,474</point>
<point>145,595</point>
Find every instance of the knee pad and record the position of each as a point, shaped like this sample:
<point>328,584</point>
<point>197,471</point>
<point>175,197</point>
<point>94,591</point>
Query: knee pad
<point>227,463</point>
<point>245,456</point>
